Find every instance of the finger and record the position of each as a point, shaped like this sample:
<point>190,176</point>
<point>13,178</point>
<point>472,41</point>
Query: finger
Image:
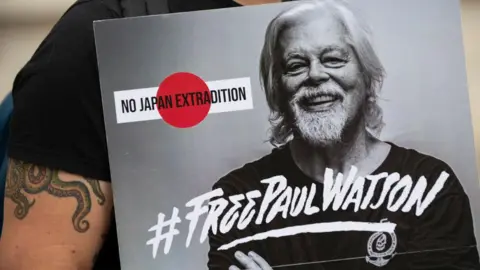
<point>246,261</point>
<point>260,261</point>
<point>233,267</point>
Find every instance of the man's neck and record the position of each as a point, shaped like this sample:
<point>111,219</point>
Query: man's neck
<point>256,2</point>
<point>362,151</point>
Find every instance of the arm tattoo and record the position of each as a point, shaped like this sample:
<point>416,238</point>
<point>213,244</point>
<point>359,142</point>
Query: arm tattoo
<point>24,178</point>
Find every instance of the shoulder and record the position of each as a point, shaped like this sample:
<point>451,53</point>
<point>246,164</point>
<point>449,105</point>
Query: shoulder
<point>248,176</point>
<point>57,119</point>
<point>68,49</point>
<point>423,166</point>
<point>77,20</point>
<point>417,160</point>
<point>75,28</point>
<point>83,12</point>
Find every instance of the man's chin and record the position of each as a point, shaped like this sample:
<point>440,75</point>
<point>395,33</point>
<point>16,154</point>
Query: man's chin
<point>319,141</point>
<point>318,135</point>
<point>320,132</point>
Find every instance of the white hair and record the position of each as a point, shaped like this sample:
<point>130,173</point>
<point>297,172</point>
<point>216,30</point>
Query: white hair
<point>357,36</point>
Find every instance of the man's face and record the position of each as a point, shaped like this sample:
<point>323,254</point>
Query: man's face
<point>322,79</point>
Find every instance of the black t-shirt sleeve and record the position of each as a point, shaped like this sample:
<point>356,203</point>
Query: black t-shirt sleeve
<point>58,119</point>
<point>444,233</point>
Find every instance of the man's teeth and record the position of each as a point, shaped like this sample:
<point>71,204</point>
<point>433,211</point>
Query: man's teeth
<point>321,99</point>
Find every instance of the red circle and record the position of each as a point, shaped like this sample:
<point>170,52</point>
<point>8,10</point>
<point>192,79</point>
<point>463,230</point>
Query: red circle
<point>183,100</point>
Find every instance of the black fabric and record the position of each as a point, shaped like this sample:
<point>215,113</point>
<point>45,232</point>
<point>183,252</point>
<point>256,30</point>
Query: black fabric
<point>440,239</point>
<point>132,8</point>
<point>58,119</point>
<point>194,5</point>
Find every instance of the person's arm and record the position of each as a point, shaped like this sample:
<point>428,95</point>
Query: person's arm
<point>53,219</point>
<point>58,199</point>
<point>444,236</point>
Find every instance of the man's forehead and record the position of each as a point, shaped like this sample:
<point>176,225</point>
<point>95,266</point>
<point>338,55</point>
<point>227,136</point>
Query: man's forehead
<point>312,22</point>
<point>315,32</point>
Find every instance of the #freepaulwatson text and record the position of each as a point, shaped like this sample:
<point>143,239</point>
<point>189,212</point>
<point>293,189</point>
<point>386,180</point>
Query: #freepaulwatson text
<point>398,193</point>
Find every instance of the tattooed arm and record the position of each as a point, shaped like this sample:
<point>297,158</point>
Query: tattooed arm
<point>52,219</point>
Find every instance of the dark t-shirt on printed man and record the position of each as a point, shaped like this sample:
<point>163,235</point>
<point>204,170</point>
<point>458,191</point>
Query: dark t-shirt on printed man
<point>441,238</point>
<point>58,119</point>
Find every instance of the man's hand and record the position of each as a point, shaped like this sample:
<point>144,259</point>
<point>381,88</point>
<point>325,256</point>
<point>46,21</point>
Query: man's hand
<point>251,262</point>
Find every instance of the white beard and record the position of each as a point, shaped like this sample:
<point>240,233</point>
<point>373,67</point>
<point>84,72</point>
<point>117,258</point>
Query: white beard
<point>320,128</point>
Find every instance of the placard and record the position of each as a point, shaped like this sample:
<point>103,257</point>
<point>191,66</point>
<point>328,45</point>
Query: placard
<point>299,135</point>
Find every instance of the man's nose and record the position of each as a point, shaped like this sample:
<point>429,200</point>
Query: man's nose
<point>317,73</point>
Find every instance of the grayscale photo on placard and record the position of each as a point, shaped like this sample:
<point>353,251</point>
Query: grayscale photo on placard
<point>301,135</point>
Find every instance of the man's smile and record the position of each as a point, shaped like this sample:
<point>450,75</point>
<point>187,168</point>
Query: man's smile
<point>321,102</point>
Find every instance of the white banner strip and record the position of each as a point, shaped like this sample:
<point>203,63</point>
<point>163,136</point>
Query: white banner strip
<point>327,227</point>
<point>141,104</point>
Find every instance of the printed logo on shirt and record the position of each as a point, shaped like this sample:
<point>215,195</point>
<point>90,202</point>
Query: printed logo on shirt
<point>381,247</point>
<point>183,100</point>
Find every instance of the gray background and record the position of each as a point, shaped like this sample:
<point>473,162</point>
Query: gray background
<point>156,167</point>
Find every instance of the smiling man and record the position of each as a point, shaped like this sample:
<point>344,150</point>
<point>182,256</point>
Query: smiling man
<point>58,211</point>
<point>322,78</point>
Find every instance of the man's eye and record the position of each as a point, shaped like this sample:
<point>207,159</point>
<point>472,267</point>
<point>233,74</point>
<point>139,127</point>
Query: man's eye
<point>334,62</point>
<point>295,67</point>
